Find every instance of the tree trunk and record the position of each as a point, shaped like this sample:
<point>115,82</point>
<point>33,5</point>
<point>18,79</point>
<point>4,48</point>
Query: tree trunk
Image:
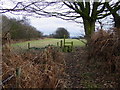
<point>117,21</point>
<point>89,27</point>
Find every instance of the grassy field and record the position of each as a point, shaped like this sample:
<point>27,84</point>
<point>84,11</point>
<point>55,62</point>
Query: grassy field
<point>44,42</point>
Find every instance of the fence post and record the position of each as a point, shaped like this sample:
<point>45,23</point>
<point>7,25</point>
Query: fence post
<point>28,45</point>
<point>18,73</point>
<point>64,44</point>
<point>64,40</point>
<point>57,44</point>
<point>72,46</point>
<point>61,44</point>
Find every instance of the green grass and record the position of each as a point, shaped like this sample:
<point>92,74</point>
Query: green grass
<point>44,42</point>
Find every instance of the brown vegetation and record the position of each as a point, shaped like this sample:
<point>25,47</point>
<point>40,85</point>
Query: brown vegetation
<point>105,47</point>
<point>50,68</point>
<point>37,69</point>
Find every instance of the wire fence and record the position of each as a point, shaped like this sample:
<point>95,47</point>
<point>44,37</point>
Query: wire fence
<point>17,73</point>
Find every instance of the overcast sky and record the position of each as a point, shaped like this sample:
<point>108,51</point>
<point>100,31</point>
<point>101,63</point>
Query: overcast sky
<point>49,25</point>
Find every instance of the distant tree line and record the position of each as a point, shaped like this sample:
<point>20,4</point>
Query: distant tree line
<point>19,29</point>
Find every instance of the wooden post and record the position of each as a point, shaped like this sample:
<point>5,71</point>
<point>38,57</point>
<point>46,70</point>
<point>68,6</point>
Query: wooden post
<point>18,73</point>
<point>61,44</point>
<point>64,44</point>
<point>64,40</point>
<point>57,44</point>
<point>28,45</point>
<point>72,46</point>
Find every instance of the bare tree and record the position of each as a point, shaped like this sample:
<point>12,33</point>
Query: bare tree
<point>89,10</point>
<point>113,8</point>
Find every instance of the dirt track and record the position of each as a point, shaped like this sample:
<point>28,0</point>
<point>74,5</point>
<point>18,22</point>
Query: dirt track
<point>74,68</point>
<point>85,74</point>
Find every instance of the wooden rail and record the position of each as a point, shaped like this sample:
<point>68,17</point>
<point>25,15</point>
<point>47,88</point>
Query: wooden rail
<point>65,46</point>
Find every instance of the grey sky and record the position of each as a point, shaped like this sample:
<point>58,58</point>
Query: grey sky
<point>49,25</point>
